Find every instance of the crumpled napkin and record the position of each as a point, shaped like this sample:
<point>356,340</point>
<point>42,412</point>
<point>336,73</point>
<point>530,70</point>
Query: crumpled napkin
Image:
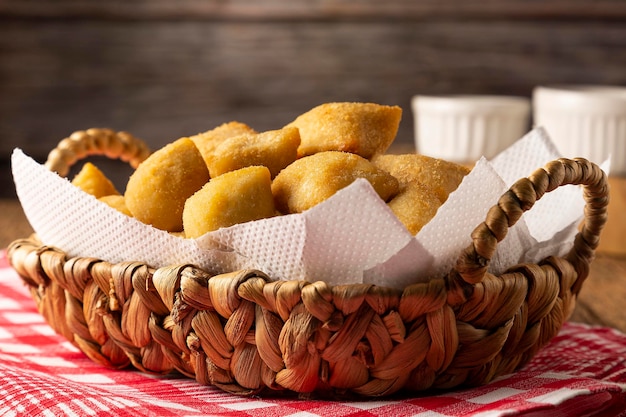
<point>353,237</point>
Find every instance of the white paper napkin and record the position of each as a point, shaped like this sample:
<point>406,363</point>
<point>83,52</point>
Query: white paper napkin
<point>352,237</point>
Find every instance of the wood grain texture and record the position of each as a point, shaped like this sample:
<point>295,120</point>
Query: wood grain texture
<point>307,9</point>
<point>163,80</point>
<point>161,71</point>
<point>601,300</point>
<point>614,234</point>
<point>13,222</point>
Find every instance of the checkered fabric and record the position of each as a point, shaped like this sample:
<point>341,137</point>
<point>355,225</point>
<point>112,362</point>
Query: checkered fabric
<point>582,372</point>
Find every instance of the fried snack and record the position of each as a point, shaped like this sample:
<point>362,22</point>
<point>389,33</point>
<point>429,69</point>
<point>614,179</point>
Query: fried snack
<point>441,176</point>
<point>235,197</point>
<point>415,205</point>
<point>274,149</point>
<point>365,129</point>
<point>313,179</point>
<point>425,184</point>
<point>117,202</point>
<point>156,192</point>
<point>206,142</point>
<point>92,181</point>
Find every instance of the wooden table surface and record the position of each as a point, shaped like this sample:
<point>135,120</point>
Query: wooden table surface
<point>601,300</point>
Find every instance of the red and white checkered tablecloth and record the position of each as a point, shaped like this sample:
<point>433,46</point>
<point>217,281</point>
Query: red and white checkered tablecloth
<point>581,373</point>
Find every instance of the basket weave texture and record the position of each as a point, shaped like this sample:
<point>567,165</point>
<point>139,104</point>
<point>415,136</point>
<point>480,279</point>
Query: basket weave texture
<point>247,334</point>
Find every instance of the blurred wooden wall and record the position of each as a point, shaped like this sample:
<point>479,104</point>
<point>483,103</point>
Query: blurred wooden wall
<point>164,69</point>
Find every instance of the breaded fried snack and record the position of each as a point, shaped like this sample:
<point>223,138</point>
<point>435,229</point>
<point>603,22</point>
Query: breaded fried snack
<point>235,197</point>
<point>93,181</point>
<point>156,192</point>
<point>425,184</point>
<point>274,149</point>
<point>207,141</point>
<point>117,202</point>
<point>415,205</point>
<point>310,180</point>
<point>364,129</point>
<point>441,176</point>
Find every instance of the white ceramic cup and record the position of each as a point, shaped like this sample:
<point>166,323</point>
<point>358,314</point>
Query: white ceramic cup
<point>585,121</point>
<point>462,128</point>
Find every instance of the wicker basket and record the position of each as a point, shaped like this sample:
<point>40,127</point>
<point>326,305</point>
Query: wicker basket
<point>246,334</point>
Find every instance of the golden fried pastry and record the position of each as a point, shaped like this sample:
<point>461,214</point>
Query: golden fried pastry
<point>117,202</point>
<point>274,149</point>
<point>207,141</point>
<point>92,181</point>
<point>441,176</point>
<point>235,197</point>
<point>415,205</point>
<point>156,192</point>
<point>365,129</point>
<point>425,184</point>
<point>312,179</point>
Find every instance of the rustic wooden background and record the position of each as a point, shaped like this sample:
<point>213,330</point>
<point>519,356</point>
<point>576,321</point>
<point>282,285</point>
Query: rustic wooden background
<point>163,69</point>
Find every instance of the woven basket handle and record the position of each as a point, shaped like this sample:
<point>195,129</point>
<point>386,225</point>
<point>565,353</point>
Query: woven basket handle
<point>83,143</point>
<point>474,260</point>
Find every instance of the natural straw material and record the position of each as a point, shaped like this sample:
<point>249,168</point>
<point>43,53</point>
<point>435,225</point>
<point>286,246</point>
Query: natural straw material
<point>246,334</point>
<point>84,143</point>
